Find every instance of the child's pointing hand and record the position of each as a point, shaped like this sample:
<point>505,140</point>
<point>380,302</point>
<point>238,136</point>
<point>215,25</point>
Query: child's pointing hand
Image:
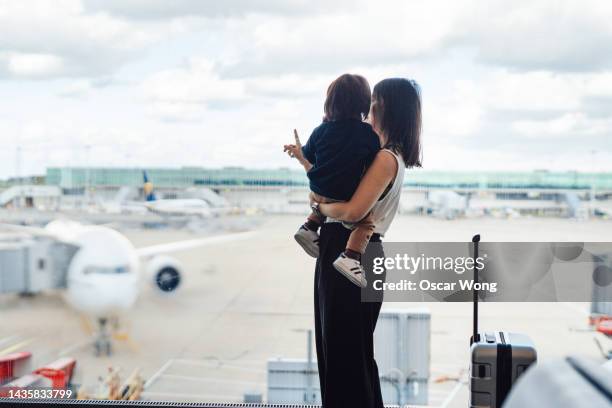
<point>295,151</point>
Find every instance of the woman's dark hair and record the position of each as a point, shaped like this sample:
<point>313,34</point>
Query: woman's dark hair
<point>348,97</point>
<point>396,109</point>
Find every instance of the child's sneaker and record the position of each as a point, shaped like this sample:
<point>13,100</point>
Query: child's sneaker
<point>352,269</point>
<point>309,240</point>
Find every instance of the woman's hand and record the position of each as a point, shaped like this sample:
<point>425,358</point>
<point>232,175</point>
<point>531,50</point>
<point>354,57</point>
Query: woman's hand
<point>311,198</point>
<point>295,151</point>
<point>378,176</point>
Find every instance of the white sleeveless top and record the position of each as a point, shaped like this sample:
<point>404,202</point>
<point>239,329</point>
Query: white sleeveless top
<point>385,209</point>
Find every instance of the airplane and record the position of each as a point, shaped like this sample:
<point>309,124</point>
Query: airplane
<point>103,277</point>
<point>191,207</point>
<point>447,204</point>
<point>202,203</point>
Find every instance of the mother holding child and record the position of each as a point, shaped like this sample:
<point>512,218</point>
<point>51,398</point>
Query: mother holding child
<point>355,162</point>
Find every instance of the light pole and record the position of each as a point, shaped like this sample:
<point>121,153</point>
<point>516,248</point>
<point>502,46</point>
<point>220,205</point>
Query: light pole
<point>592,189</point>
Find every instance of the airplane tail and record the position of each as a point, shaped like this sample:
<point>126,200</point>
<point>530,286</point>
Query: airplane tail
<point>147,187</point>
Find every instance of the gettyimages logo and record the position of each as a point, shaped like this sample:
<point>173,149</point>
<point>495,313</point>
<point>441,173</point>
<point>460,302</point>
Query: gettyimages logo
<point>412,265</point>
<point>508,272</point>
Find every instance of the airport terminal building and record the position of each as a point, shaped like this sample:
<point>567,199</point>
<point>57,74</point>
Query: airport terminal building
<point>284,190</point>
<point>77,177</point>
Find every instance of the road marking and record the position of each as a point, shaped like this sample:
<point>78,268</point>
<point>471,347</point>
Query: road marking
<point>76,346</point>
<point>220,364</point>
<point>158,374</point>
<point>8,339</point>
<point>451,395</point>
<point>213,380</point>
<point>576,308</point>
<point>17,346</point>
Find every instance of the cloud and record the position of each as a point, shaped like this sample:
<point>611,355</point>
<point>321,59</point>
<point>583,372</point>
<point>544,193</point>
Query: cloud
<point>163,9</point>
<point>372,33</point>
<point>514,85</point>
<point>88,39</point>
<point>42,39</point>
<point>185,93</point>
<point>538,35</point>
<point>31,65</point>
<point>571,125</point>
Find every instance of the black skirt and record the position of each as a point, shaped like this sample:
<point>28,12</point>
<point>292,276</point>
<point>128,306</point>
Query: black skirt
<point>344,330</point>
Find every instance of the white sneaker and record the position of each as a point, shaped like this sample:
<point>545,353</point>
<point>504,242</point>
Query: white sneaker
<point>309,240</point>
<point>352,269</point>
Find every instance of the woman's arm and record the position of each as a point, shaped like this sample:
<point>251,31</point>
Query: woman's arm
<point>381,172</point>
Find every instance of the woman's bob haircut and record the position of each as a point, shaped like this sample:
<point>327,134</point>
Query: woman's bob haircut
<point>396,110</point>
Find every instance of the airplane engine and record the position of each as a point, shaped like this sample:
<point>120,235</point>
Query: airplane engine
<point>165,273</point>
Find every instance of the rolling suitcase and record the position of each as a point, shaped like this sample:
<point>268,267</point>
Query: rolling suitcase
<point>497,358</point>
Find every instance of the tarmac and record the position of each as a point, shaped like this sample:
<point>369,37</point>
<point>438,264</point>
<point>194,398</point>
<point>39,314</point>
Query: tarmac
<point>245,302</point>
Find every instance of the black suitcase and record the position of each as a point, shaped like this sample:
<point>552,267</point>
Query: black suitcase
<point>497,358</point>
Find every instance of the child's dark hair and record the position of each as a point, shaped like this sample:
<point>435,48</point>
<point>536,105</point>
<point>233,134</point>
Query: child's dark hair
<point>348,97</point>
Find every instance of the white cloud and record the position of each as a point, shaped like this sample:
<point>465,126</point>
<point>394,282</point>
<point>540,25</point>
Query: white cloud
<point>53,39</point>
<point>187,92</point>
<point>561,35</point>
<point>370,33</point>
<point>507,85</point>
<point>76,89</point>
<point>163,9</point>
<point>32,65</point>
<point>456,113</point>
<point>195,83</point>
<point>571,125</point>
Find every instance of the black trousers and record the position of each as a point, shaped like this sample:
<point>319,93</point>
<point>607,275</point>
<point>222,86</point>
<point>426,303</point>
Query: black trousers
<point>344,331</point>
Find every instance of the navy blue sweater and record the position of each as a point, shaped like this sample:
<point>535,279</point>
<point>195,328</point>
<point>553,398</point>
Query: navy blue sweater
<point>339,151</point>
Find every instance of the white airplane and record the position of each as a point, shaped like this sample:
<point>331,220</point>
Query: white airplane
<point>200,203</point>
<point>190,207</point>
<point>104,276</point>
<point>447,204</point>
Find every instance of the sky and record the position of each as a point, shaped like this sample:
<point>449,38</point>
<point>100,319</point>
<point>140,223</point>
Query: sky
<point>520,85</point>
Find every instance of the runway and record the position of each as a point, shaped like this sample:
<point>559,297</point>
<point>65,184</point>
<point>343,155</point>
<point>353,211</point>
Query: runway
<point>245,302</point>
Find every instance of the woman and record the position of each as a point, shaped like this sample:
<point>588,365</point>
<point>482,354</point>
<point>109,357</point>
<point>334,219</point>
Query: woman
<point>344,325</point>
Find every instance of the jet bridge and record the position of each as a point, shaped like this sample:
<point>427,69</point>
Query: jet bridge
<point>28,195</point>
<point>30,265</point>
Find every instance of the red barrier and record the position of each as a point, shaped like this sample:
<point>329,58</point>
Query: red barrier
<point>605,327</point>
<point>596,319</point>
<point>59,372</point>
<point>14,365</point>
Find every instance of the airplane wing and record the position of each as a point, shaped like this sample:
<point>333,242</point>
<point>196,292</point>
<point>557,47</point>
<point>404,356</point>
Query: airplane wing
<point>32,231</point>
<point>25,229</point>
<point>42,232</point>
<point>193,243</point>
<point>149,250</point>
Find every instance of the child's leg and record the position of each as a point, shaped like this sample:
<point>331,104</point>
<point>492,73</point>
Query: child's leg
<point>313,222</point>
<point>359,238</point>
<point>348,263</point>
<point>307,235</point>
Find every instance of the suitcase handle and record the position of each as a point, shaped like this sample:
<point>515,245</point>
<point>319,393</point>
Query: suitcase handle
<point>475,338</point>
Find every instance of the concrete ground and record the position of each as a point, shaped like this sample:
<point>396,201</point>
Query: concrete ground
<point>245,302</point>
